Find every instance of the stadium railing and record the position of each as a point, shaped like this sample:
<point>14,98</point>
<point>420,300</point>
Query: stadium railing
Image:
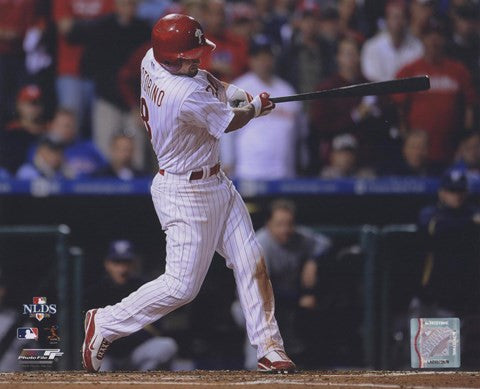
<point>303,186</point>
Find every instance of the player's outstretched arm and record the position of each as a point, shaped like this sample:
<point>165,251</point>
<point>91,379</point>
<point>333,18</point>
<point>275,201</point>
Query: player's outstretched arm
<point>260,106</point>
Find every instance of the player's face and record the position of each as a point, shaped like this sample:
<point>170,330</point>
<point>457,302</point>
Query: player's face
<point>421,12</point>
<point>189,67</point>
<point>282,225</point>
<point>471,151</point>
<point>122,152</point>
<point>262,64</point>
<point>434,44</point>
<point>452,199</point>
<point>348,56</point>
<point>126,8</point>
<point>63,128</point>
<point>344,160</point>
<point>416,150</point>
<point>51,157</point>
<point>396,19</point>
<point>30,110</point>
<point>120,271</point>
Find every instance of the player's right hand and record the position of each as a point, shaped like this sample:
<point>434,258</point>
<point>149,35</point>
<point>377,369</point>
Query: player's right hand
<point>262,104</point>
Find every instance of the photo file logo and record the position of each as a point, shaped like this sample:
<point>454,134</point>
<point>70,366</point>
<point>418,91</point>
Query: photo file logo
<point>33,355</point>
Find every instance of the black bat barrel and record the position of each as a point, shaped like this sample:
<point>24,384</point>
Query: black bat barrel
<point>401,85</point>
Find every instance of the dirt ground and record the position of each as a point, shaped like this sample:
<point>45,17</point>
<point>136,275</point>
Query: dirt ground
<point>221,379</point>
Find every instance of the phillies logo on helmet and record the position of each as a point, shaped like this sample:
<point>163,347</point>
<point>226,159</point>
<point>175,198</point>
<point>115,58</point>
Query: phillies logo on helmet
<point>199,34</point>
<point>39,309</point>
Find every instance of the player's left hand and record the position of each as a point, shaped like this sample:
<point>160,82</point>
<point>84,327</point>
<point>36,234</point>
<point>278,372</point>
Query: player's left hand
<point>237,97</point>
<point>262,104</point>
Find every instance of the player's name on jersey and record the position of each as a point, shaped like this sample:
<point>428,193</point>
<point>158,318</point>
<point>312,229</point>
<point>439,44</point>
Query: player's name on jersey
<point>151,89</point>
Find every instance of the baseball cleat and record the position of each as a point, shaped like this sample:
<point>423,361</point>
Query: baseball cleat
<point>94,345</point>
<point>276,362</point>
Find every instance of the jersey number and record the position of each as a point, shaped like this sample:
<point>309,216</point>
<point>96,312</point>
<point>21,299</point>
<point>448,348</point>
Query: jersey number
<point>145,116</point>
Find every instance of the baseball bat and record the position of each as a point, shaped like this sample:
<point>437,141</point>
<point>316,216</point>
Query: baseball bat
<point>402,85</point>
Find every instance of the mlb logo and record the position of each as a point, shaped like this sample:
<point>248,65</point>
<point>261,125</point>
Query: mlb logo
<point>27,333</point>
<point>39,300</point>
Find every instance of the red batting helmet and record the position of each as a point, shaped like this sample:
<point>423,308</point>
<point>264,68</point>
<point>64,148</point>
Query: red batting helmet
<point>178,36</point>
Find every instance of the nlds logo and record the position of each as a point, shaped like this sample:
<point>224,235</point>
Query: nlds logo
<point>39,309</point>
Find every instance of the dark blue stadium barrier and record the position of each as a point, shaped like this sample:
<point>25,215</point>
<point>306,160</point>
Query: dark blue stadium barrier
<point>303,186</point>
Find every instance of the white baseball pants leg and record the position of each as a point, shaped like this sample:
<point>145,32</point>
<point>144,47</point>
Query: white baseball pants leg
<point>200,217</point>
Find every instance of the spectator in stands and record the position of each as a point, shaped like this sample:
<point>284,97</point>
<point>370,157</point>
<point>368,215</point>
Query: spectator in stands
<point>15,18</point>
<point>47,162</point>
<point>152,10</point>
<point>229,59</point>
<point>81,157</point>
<point>465,42</point>
<point>389,50</point>
<point>292,255</point>
<point>469,155</point>
<point>128,82</point>
<point>331,117</point>
<point>109,43</point>
<point>451,277</point>
<point>344,160</point>
<point>40,47</point>
<point>244,21</point>
<point>302,62</point>
<point>273,18</point>
<point>448,106</point>
<point>330,34</point>
<point>265,148</point>
<point>414,158</point>
<point>420,13</point>
<point>20,134</point>
<point>129,79</point>
<point>74,91</point>
<point>146,349</point>
<point>194,8</point>
<point>121,156</point>
<point>351,22</point>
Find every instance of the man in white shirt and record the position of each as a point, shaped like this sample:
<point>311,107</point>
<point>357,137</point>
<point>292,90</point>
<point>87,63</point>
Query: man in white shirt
<point>388,51</point>
<point>265,148</point>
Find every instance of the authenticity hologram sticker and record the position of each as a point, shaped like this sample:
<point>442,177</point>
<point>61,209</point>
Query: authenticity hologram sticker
<point>435,343</point>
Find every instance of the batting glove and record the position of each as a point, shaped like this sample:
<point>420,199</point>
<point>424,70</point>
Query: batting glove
<point>237,97</point>
<point>262,104</point>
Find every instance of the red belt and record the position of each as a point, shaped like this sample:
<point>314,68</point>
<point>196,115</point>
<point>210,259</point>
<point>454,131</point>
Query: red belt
<point>198,175</point>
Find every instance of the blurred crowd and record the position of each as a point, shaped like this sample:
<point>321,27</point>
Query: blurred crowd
<point>70,70</point>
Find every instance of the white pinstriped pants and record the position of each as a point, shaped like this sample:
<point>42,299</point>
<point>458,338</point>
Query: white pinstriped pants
<point>199,218</point>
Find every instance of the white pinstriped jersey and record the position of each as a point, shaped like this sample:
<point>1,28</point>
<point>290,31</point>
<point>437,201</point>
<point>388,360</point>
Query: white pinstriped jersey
<point>185,116</point>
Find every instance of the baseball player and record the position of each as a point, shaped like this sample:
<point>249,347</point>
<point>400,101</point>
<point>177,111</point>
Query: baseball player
<point>185,111</point>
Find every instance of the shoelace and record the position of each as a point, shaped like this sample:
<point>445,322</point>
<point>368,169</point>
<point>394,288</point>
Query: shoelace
<point>102,349</point>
